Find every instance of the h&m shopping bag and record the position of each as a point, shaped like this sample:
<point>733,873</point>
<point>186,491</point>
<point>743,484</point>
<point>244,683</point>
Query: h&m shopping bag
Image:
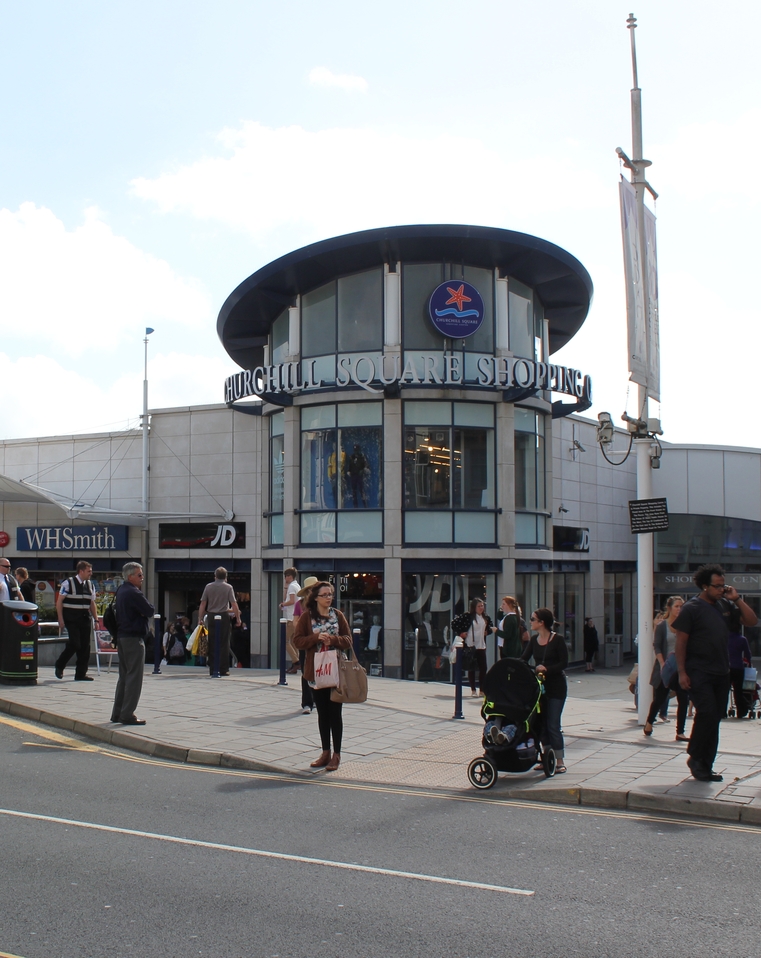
<point>326,669</point>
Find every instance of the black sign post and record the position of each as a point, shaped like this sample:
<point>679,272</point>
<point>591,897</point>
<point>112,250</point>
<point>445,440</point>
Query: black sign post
<point>648,515</point>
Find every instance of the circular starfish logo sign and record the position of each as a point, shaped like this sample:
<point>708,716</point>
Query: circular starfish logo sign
<point>456,309</point>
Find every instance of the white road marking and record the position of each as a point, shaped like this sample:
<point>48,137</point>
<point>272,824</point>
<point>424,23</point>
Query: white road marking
<point>260,853</point>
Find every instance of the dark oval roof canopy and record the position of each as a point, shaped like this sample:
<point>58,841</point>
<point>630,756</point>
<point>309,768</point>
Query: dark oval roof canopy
<point>562,283</point>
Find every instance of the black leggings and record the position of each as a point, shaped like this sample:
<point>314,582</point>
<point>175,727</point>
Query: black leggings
<point>329,719</point>
<point>660,695</point>
<point>481,662</point>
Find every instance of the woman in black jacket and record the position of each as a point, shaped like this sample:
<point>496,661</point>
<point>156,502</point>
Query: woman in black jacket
<point>550,655</point>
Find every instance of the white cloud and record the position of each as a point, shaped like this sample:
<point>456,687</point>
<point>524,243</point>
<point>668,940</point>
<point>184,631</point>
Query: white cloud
<point>73,288</point>
<point>333,181</point>
<point>322,76</point>
<point>47,399</point>
<point>712,161</point>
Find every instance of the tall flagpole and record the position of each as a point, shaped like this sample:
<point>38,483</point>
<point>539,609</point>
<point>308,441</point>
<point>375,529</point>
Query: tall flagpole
<point>146,463</point>
<point>643,428</point>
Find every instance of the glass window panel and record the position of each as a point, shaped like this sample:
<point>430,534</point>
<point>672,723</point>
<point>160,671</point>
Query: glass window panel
<point>539,329</point>
<point>541,478</point>
<point>277,424</point>
<point>323,367</point>
<point>521,324</point>
<point>319,469</point>
<point>427,527</point>
<point>525,529</point>
<point>318,417</point>
<point>525,419</point>
<point>360,414</point>
<point>418,282</point>
<point>318,321</point>
<point>276,473</point>
<point>473,414</point>
<point>361,467</point>
<point>276,530</point>
<point>360,527</point>
<point>318,527</point>
<point>525,471</point>
<point>360,311</point>
<point>483,279</point>
<point>427,413</point>
<point>472,469</point>
<point>279,338</point>
<point>474,527</point>
<point>427,466</point>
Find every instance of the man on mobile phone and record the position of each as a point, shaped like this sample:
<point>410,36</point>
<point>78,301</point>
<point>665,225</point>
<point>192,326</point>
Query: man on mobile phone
<point>702,631</point>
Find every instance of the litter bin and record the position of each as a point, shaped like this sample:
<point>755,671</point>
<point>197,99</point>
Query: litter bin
<point>613,655</point>
<point>18,641</point>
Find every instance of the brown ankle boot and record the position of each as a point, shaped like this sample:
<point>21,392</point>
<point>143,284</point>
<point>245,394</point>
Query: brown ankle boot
<point>322,761</point>
<point>334,762</point>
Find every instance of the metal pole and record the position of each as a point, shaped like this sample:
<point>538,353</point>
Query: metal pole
<point>645,653</point>
<point>458,686</point>
<point>643,443</point>
<point>217,645</point>
<point>415,666</point>
<point>283,680</point>
<point>356,635</point>
<point>157,644</point>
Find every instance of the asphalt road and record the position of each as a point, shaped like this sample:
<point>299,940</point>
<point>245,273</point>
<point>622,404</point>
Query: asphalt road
<point>106,855</point>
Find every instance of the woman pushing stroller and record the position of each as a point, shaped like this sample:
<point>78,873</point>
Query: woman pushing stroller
<point>550,655</point>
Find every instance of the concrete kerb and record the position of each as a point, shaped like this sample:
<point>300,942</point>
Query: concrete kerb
<point>583,796</point>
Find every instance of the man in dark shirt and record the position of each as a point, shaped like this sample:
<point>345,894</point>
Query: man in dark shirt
<point>702,631</point>
<point>134,614</point>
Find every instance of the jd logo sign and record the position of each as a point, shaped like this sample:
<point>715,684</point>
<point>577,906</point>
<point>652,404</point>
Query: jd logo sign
<point>226,535</point>
<point>202,535</point>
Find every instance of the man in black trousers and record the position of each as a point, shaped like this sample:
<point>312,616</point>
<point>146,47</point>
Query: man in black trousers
<point>702,631</point>
<point>76,610</point>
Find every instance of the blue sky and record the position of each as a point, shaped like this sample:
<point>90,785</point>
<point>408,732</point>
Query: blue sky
<point>155,154</point>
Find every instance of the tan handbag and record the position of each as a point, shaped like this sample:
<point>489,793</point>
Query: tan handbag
<point>352,681</point>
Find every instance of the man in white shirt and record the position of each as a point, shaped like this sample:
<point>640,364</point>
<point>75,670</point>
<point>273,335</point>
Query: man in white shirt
<point>290,595</point>
<point>9,589</point>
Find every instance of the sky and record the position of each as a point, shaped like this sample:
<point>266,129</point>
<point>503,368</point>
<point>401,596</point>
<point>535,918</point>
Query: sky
<point>155,154</point>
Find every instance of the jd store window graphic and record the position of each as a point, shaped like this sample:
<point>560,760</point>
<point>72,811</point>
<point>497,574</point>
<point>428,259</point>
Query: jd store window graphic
<point>202,535</point>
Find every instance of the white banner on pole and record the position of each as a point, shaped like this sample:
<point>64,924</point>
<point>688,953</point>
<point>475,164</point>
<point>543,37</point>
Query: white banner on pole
<point>636,313</point>
<point>654,344</point>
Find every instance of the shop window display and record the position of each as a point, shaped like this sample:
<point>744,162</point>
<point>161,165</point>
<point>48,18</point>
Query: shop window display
<point>341,472</point>
<point>449,465</point>
<point>431,602</point>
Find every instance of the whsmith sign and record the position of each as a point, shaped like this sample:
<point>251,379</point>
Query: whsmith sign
<point>71,538</point>
<point>374,372</point>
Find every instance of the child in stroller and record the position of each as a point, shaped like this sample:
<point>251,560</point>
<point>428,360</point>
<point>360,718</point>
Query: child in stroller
<point>511,711</point>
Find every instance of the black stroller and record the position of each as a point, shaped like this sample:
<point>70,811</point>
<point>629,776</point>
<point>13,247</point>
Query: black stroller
<point>511,710</point>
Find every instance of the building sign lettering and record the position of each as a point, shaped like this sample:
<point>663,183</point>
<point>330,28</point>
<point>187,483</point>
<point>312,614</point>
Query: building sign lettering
<point>202,535</point>
<point>71,538</point>
<point>373,372</point>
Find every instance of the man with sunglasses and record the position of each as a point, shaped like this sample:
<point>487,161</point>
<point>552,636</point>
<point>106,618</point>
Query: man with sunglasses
<point>9,588</point>
<point>702,633</point>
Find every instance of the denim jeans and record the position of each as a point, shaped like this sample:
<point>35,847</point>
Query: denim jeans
<point>552,737</point>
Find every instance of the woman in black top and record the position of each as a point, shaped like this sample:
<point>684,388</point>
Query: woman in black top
<point>550,655</point>
<point>591,644</point>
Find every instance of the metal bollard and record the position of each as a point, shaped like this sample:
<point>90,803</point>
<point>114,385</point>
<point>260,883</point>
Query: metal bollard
<point>356,637</point>
<point>283,680</point>
<point>157,651</point>
<point>458,686</point>
<point>217,645</point>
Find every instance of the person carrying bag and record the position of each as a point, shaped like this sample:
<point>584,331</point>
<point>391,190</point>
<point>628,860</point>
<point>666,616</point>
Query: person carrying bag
<point>324,632</point>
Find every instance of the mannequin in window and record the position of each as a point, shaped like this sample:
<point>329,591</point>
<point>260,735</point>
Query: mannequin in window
<point>428,628</point>
<point>375,631</point>
<point>356,466</point>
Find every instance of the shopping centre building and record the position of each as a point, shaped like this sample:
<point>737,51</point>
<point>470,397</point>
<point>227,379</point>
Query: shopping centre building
<point>396,425</point>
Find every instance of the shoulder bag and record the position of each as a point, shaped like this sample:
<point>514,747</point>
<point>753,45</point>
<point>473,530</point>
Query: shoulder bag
<point>352,681</point>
